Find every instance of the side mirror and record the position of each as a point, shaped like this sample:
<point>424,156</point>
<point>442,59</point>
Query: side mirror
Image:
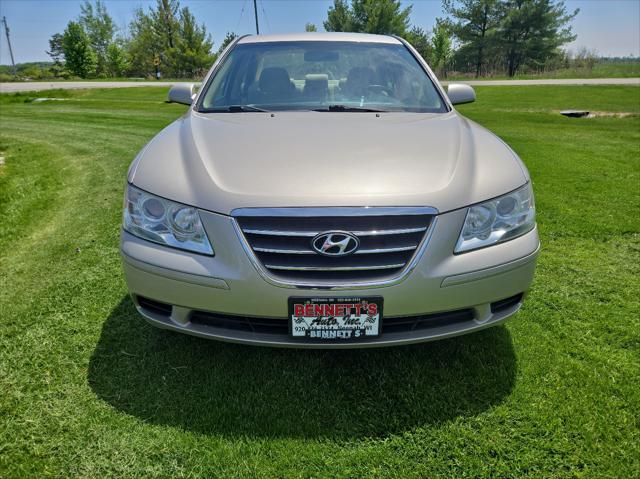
<point>182,93</point>
<point>459,93</point>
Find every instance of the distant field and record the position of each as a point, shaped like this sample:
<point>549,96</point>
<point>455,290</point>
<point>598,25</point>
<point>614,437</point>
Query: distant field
<point>90,390</point>
<point>630,69</point>
<point>617,69</point>
<point>11,79</point>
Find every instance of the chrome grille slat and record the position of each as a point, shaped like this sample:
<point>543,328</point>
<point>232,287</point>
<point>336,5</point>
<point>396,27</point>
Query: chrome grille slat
<point>281,244</point>
<point>404,231</point>
<point>335,268</point>
<point>399,249</point>
<point>360,251</point>
<point>311,234</point>
<point>283,251</point>
<point>280,233</point>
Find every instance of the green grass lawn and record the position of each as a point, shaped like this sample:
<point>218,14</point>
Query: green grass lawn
<point>88,389</point>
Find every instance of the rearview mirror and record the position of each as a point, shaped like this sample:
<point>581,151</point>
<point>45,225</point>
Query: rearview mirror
<point>321,56</point>
<point>182,93</point>
<point>459,93</point>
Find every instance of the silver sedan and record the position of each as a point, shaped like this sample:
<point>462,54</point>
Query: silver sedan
<point>323,192</point>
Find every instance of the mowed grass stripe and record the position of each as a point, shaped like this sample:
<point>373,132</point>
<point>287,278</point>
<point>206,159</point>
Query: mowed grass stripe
<point>91,390</point>
<point>81,155</point>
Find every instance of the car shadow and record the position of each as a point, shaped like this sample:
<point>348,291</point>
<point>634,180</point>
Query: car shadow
<point>211,387</point>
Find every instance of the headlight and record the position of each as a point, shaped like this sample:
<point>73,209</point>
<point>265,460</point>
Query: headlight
<point>498,220</point>
<point>163,221</point>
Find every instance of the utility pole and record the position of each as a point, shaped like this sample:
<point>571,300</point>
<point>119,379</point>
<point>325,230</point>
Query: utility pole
<point>255,12</point>
<point>6,30</point>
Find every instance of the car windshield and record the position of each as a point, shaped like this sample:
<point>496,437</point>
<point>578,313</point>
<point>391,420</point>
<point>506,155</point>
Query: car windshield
<point>321,76</point>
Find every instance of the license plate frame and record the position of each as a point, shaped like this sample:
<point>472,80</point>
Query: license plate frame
<point>345,324</point>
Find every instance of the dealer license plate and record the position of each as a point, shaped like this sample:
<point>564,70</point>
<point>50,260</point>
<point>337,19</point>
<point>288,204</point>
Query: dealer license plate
<point>335,319</point>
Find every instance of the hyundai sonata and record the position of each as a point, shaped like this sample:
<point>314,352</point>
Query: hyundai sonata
<point>322,191</point>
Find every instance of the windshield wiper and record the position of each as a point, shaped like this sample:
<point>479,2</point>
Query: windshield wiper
<point>235,109</point>
<point>346,108</point>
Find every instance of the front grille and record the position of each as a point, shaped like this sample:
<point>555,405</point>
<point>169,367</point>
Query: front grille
<point>282,242</point>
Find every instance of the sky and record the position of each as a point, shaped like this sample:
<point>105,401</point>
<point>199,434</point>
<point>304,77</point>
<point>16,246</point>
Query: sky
<point>610,27</point>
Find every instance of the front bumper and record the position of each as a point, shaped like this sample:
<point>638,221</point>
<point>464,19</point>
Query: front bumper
<point>175,290</point>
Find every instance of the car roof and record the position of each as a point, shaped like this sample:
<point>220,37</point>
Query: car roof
<point>320,37</point>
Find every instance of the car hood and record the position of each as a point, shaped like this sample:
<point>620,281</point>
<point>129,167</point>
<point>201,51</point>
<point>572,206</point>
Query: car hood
<point>220,162</point>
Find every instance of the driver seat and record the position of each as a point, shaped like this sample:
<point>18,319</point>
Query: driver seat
<point>357,83</point>
<point>274,86</point>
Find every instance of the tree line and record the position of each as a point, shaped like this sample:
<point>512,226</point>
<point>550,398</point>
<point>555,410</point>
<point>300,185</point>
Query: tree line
<point>164,40</point>
<point>479,36</point>
<point>475,36</point>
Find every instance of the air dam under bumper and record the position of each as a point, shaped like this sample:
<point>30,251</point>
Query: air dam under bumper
<point>224,297</point>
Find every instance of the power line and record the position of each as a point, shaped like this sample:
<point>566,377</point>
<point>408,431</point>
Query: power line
<point>241,13</point>
<point>266,17</point>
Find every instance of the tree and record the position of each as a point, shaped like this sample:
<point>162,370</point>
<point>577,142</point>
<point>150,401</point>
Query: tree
<point>55,49</point>
<point>168,40</point>
<point>584,58</point>
<point>192,53</point>
<point>368,16</point>
<point>419,39</point>
<point>339,18</point>
<point>80,59</point>
<point>32,72</point>
<point>441,46</point>
<point>310,27</point>
<point>532,31</point>
<point>56,53</point>
<point>228,38</point>
<point>165,22</point>
<point>100,29</point>
<point>377,16</point>
<point>116,60</point>
<point>475,26</point>
<point>144,47</point>
<point>381,16</point>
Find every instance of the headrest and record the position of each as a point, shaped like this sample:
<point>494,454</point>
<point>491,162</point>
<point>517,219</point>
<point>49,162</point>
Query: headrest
<point>275,80</point>
<point>316,82</point>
